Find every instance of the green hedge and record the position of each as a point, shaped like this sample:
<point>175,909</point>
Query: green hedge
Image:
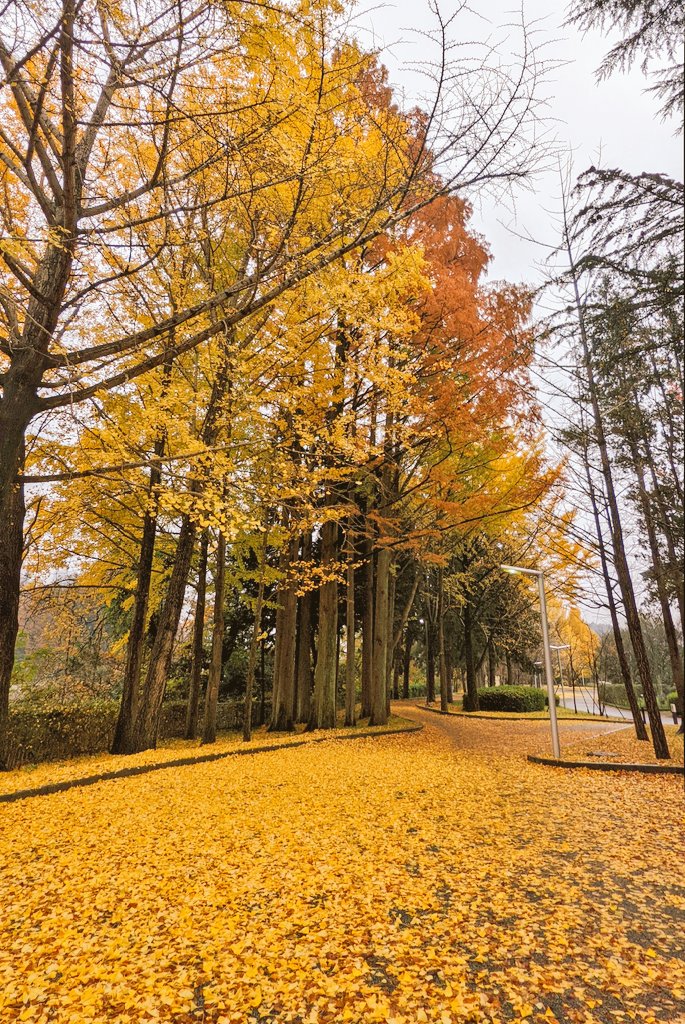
<point>615,694</point>
<point>54,734</point>
<point>672,698</point>
<point>512,698</point>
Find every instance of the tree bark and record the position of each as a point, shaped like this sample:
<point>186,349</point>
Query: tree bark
<point>626,584</point>
<point>128,708</point>
<point>442,661</point>
<point>430,663</point>
<point>283,709</point>
<point>620,559</point>
<point>192,713</point>
<point>675,561</point>
<point>406,663</point>
<point>379,712</point>
<point>147,721</point>
<point>303,669</point>
<point>12,513</point>
<point>218,628</point>
<point>367,627</point>
<point>674,652</point>
<point>640,729</point>
<point>19,402</point>
<point>390,645</point>
<point>492,662</point>
<point>471,702</point>
<point>350,668</point>
<point>396,673</point>
<point>254,644</point>
<point>323,705</point>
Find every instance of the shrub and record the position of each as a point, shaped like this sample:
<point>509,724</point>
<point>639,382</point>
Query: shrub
<point>49,734</point>
<point>615,694</point>
<point>672,698</point>
<point>53,734</point>
<point>512,698</point>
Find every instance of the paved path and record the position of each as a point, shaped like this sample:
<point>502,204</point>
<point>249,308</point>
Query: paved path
<point>502,737</point>
<point>419,878</point>
<point>585,701</point>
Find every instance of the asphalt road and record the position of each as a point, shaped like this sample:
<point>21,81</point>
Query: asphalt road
<point>586,701</point>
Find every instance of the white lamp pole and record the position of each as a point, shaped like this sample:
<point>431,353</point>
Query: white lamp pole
<point>559,648</point>
<point>547,653</point>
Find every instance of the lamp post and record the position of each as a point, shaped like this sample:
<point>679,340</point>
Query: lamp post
<point>559,648</point>
<point>551,699</point>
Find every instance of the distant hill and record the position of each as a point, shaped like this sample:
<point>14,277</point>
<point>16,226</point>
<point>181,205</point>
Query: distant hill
<point>600,628</point>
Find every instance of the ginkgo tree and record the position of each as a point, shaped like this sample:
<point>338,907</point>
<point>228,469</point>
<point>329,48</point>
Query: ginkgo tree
<point>128,129</point>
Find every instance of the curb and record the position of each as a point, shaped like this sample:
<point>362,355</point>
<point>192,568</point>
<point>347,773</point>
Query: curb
<point>476,715</point>
<point>145,769</point>
<point>599,766</point>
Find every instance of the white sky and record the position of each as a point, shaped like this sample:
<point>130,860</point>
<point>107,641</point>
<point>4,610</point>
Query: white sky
<point>612,123</point>
<point>614,117</point>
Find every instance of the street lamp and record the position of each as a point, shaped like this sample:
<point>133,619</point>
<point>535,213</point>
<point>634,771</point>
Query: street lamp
<point>559,648</point>
<point>551,699</point>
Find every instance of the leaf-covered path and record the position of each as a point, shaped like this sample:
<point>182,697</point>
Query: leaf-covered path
<point>407,880</point>
<point>504,737</point>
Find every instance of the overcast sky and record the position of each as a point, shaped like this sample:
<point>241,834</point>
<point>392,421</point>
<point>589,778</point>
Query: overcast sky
<point>614,118</point>
<point>613,123</point>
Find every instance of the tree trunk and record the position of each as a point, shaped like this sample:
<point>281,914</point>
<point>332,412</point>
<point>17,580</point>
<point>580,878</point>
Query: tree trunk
<point>278,633</point>
<point>262,681</point>
<point>147,721</point>
<point>442,661</point>
<point>254,645</point>
<point>192,713</point>
<point>396,673</point>
<point>19,402</point>
<point>218,628</point>
<point>471,693</point>
<point>620,559</point>
<point>430,663</point>
<point>12,513</point>
<point>303,687</point>
<point>630,604</point>
<point>675,562</point>
<point>492,662</point>
<point>406,666</point>
<point>450,676</point>
<point>510,670</point>
<point>350,673</point>
<point>674,653</point>
<point>128,709</point>
<point>367,628</point>
<point>323,706</point>
<point>379,712</point>
<point>283,709</point>
<point>406,611</point>
<point>640,729</point>
<point>390,646</point>
<point>303,671</point>
<point>134,649</point>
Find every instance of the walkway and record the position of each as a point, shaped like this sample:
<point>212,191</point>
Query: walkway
<point>431,878</point>
<point>506,737</point>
